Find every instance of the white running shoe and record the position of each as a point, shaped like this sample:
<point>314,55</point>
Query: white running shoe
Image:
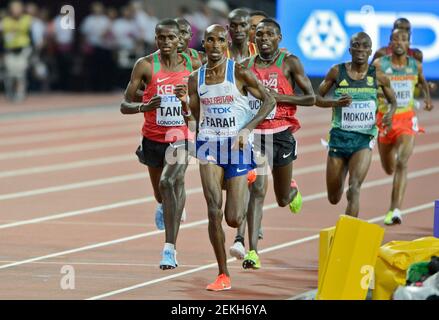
<point>396,217</point>
<point>237,250</point>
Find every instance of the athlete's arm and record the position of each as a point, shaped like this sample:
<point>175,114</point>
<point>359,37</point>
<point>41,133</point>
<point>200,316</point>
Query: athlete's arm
<point>379,53</point>
<point>425,88</point>
<point>326,85</point>
<point>418,55</point>
<point>297,73</point>
<point>255,87</point>
<point>141,71</point>
<point>384,83</point>
<point>252,85</point>
<point>191,106</point>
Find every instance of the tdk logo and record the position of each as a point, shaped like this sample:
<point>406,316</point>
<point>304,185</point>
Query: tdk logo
<point>323,36</point>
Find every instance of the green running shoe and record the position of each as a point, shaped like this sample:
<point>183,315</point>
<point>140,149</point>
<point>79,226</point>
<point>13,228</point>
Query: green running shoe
<point>296,204</point>
<point>251,260</point>
<point>389,218</point>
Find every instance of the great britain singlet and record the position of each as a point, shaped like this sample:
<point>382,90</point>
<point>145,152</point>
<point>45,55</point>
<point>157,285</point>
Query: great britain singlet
<point>224,110</point>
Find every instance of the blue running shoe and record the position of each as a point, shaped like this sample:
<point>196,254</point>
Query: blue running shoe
<point>168,260</point>
<point>159,218</point>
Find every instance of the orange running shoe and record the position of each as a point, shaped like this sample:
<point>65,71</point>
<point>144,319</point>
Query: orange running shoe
<point>251,176</point>
<point>221,283</point>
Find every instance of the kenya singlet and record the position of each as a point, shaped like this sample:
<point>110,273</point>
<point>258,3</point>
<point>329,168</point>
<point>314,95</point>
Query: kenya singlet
<point>159,122</point>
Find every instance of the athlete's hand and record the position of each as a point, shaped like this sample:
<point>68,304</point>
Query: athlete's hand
<point>152,104</point>
<point>344,101</point>
<point>241,140</point>
<point>181,91</point>
<point>428,105</point>
<point>274,93</point>
<point>432,86</point>
<point>387,121</point>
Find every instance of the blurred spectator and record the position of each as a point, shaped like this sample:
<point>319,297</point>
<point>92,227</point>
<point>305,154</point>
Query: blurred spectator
<point>96,29</point>
<point>146,25</point>
<point>128,43</point>
<point>16,28</point>
<point>38,75</point>
<point>63,51</point>
<point>220,11</point>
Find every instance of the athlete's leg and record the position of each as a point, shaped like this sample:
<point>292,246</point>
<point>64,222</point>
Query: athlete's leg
<point>258,190</point>
<point>336,171</point>
<point>211,179</point>
<point>237,195</point>
<point>173,194</point>
<point>359,164</point>
<point>154,176</point>
<point>387,156</point>
<point>282,184</point>
<point>404,149</point>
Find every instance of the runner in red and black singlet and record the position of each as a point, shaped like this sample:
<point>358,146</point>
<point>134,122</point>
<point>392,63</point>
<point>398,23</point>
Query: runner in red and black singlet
<point>277,70</point>
<point>165,134</point>
<point>185,37</point>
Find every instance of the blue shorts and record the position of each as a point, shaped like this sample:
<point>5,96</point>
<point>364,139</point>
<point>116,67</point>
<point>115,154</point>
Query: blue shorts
<point>234,162</point>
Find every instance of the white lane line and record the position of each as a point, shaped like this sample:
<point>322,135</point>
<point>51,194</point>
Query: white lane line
<point>138,176</point>
<point>212,265</point>
<point>67,166</point>
<point>148,265</point>
<point>316,196</point>
<point>67,148</point>
<point>102,208</point>
<point>90,210</point>
<point>123,158</point>
<point>55,136</point>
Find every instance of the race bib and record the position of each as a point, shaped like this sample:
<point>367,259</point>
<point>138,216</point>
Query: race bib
<point>255,104</point>
<point>169,114</point>
<point>220,121</point>
<point>404,92</point>
<point>360,115</point>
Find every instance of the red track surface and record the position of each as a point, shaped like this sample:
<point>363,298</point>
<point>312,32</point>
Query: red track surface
<point>93,209</point>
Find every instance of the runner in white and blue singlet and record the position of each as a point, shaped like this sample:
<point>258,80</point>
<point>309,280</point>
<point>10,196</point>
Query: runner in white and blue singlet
<point>219,91</point>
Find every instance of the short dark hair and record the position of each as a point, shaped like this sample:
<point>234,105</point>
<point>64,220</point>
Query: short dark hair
<point>361,34</point>
<point>272,21</point>
<point>399,20</point>
<point>168,23</point>
<point>258,13</point>
<point>182,21</point>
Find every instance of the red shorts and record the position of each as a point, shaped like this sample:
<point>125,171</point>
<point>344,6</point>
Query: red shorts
<point>402,123</point>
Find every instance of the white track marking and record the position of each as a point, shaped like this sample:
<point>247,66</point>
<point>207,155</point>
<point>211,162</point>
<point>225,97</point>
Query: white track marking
<point>212,265</point>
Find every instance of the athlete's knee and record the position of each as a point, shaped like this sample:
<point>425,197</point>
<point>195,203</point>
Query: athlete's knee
<point>234,221</point>
<point>401,163</point>
<point>334,198</point>
<point>166,183</point>
<point>388,168</point>
<point>215,216</point>
<point>258,190</point>
<point>353,190</point>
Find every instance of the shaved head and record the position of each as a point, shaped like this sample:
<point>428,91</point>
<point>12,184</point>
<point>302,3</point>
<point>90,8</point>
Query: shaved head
<point>360,36</point>
<point>239,13</point>
<point>215,28</point>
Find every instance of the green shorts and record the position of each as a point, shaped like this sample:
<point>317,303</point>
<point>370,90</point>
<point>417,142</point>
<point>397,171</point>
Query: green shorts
<point>343,144</point>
